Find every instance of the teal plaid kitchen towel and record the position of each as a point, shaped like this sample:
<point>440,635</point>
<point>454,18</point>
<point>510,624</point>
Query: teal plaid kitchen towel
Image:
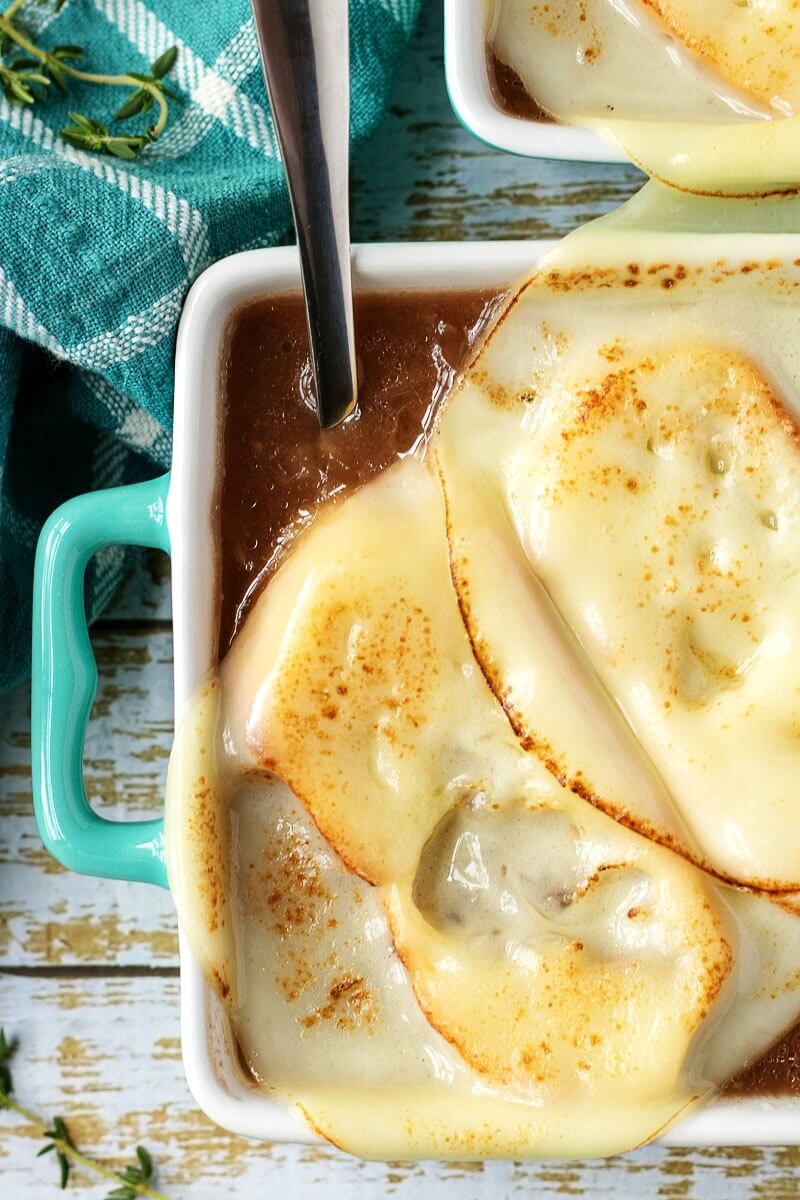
<point>97,254</point>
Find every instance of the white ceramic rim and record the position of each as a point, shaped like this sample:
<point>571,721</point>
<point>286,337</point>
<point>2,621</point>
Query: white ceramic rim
<point>213,1080</point>
<point>476,108</point>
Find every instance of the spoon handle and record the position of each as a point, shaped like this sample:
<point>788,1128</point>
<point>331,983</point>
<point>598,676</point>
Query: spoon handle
<point>305,52</point>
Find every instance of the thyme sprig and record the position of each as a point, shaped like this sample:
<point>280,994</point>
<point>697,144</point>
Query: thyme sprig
<point>129,1183</point>
<point>26,78</point>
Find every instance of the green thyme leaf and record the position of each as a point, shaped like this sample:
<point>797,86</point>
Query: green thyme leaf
<point>67,53</point>
<point>164,63</point>
<point>6,1052</point>
<point>86,133</point>
<point>146,1162</point>
<point>57,73</point>
<point>63,1165</point>
<point>121,148</point>
<point>61,1130</point>
<point>15,90</point>
<point>89,124</point>
<point>132,106</point>
<point>36,77</point>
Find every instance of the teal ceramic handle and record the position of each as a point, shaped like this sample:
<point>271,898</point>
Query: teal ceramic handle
<point>64,681</point>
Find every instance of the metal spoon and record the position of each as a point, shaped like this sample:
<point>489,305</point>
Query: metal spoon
<point>305,52</point>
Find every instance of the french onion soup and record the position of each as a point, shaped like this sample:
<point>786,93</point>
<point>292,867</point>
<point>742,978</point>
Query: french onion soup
<point>486,828</point>
<point>693,90</point>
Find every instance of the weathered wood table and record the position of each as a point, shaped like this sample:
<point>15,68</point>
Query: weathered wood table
<point>88,968</point>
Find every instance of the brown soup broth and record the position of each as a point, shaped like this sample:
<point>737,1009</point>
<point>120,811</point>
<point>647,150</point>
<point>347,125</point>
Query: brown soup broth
<point>278,468</point>
<point>509,92</point>
<point>776,1073</point>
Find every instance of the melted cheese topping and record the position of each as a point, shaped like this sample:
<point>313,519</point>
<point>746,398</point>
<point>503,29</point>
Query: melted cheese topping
<point>357,715</point>
<point>642,493</point>
<point>685,87</point>
<point>755,46</point>
<point>540,937</point>
<point>597,955</point>
<point>317,939</point>
<point>199,848</point>
<point>616,58</point>
<point>682,471</point>
<point>343,682</point>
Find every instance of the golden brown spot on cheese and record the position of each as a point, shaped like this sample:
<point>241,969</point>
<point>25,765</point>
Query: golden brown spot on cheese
<point>320,1130</point>
<point>204,834</point>
<point>750,49</point>
<point>220,983</point>
<point>349,1005</point>
<point>286,893</point>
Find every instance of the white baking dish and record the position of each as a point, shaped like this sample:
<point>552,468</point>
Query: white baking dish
<point>214,1076</point>
<point>476,108</point>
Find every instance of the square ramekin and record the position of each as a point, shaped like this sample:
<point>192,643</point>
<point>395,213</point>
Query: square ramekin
<point>182,520</point>
<point>476,108</point>
<point>213,1079</point>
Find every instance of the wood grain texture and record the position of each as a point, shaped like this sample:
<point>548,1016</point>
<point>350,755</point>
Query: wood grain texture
<point>88,968</point>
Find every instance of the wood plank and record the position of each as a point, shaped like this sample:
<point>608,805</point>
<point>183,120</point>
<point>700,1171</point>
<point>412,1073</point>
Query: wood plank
<point>47,914</point>
<point>104,1053</point>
